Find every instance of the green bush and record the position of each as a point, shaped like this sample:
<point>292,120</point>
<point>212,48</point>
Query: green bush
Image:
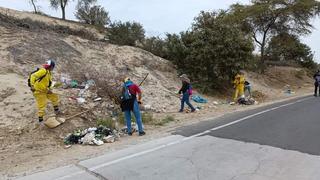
<point>127,33</point>
<point>107,122</point>
<point>147,118</point>
<point>164,121</point>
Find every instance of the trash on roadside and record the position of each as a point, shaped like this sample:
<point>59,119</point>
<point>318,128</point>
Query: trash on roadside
<point>134,128</point>
<point>65,80</point>
<point>109,139</point>
<point>289,92</point>
<point>92,136</point>
<point>81,100</point>
<point>97,99</point>
<point>74,84</point>
<point>288,89</point>
<point>215,102</point>
<point>98,142</point>
<point>88,139</point>
<point>246,101</point>
<point>67,146</point>
<point>146,107</point>
<point>199,99</point>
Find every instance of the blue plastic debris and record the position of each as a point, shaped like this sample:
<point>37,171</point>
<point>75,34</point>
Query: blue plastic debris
<point>199,99</point>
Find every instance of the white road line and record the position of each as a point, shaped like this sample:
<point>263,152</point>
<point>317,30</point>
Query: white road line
<point>71,175</point>
<point>184,139</point>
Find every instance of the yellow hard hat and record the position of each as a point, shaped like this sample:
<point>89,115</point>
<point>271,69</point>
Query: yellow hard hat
<point>126,79</point>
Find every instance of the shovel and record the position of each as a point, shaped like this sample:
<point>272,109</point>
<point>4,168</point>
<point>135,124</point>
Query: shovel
<point>53,121</point>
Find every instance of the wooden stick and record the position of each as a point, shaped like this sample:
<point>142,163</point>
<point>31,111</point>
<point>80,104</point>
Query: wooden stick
<point>144,79</point>
<point>78,114</point>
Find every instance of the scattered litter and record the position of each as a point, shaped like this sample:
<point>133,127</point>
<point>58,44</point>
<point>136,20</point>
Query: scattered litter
<point>289,91</point>
<point>199,99</point>
<point>147,107</point>
<point>81,100</point>
<point>109,139</point>
<point>65,80</point>
<point>246,101</point>
<point>67,146</point>
<point>215,102</point>
<point>97,99</point>
<point>74,84</point>
<point>92,136</point>
<point>98,142</point>
<point>134,128</point>
<point>88,139</point>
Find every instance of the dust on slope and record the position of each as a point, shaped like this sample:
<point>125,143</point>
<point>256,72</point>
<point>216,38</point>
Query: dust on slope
<point>50,21</point>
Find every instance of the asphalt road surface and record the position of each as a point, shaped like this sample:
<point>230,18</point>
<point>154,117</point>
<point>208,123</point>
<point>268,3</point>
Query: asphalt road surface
<point>276,142</point>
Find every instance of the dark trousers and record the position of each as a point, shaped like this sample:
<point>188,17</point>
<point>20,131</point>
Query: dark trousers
<point>186,99</point>
<point>316,87</point>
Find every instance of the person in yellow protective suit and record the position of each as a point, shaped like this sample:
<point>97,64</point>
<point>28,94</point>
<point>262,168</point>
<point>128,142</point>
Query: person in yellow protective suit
<point>40,83</point>
<point>239,86</point>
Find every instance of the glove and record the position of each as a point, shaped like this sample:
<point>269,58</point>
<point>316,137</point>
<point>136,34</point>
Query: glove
<point>57,84</point>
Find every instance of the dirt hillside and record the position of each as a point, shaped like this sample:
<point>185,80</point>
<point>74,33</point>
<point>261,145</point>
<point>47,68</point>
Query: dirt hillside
<point>23,47</point>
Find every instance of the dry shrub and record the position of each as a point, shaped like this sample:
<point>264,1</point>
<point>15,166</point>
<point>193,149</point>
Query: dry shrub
<point>108,85</point>
<point>28,23</point>
<point>257,95</point>
<point>164,121</point>
<point>300,74</point>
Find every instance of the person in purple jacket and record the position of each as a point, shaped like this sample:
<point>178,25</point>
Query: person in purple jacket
<point>186,92</point>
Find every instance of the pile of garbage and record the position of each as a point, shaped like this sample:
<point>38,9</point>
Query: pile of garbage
<point>84,92</point>
<point>247,101</point>
<point>93,136</point>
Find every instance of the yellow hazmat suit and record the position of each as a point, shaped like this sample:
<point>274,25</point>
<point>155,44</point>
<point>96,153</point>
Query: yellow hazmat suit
<point>239,86</point>
<point>41,83</point>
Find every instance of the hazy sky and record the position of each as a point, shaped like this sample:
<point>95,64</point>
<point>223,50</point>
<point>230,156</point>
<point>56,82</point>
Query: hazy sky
<point>157,16</point>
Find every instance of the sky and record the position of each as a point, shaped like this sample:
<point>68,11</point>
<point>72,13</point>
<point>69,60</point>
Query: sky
<point>158,16</point>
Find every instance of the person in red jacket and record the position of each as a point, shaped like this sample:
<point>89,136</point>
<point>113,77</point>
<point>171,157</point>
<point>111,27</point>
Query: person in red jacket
<point>130,100</point>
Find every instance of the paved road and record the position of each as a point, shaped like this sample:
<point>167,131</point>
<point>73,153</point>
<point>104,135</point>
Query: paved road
<point>278,142</point>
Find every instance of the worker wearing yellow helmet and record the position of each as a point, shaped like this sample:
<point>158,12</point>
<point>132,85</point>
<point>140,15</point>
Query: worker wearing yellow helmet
<point>239,82</point>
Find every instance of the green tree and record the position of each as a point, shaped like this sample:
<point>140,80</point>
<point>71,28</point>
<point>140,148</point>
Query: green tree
<point>62,4</point>
<point>156,46</point>
<point>127,33</point>
<point>89,13</point>
<point>177,46</point>
<point>288,48</point>
<point>266,18</point>
<point>218,49</point>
